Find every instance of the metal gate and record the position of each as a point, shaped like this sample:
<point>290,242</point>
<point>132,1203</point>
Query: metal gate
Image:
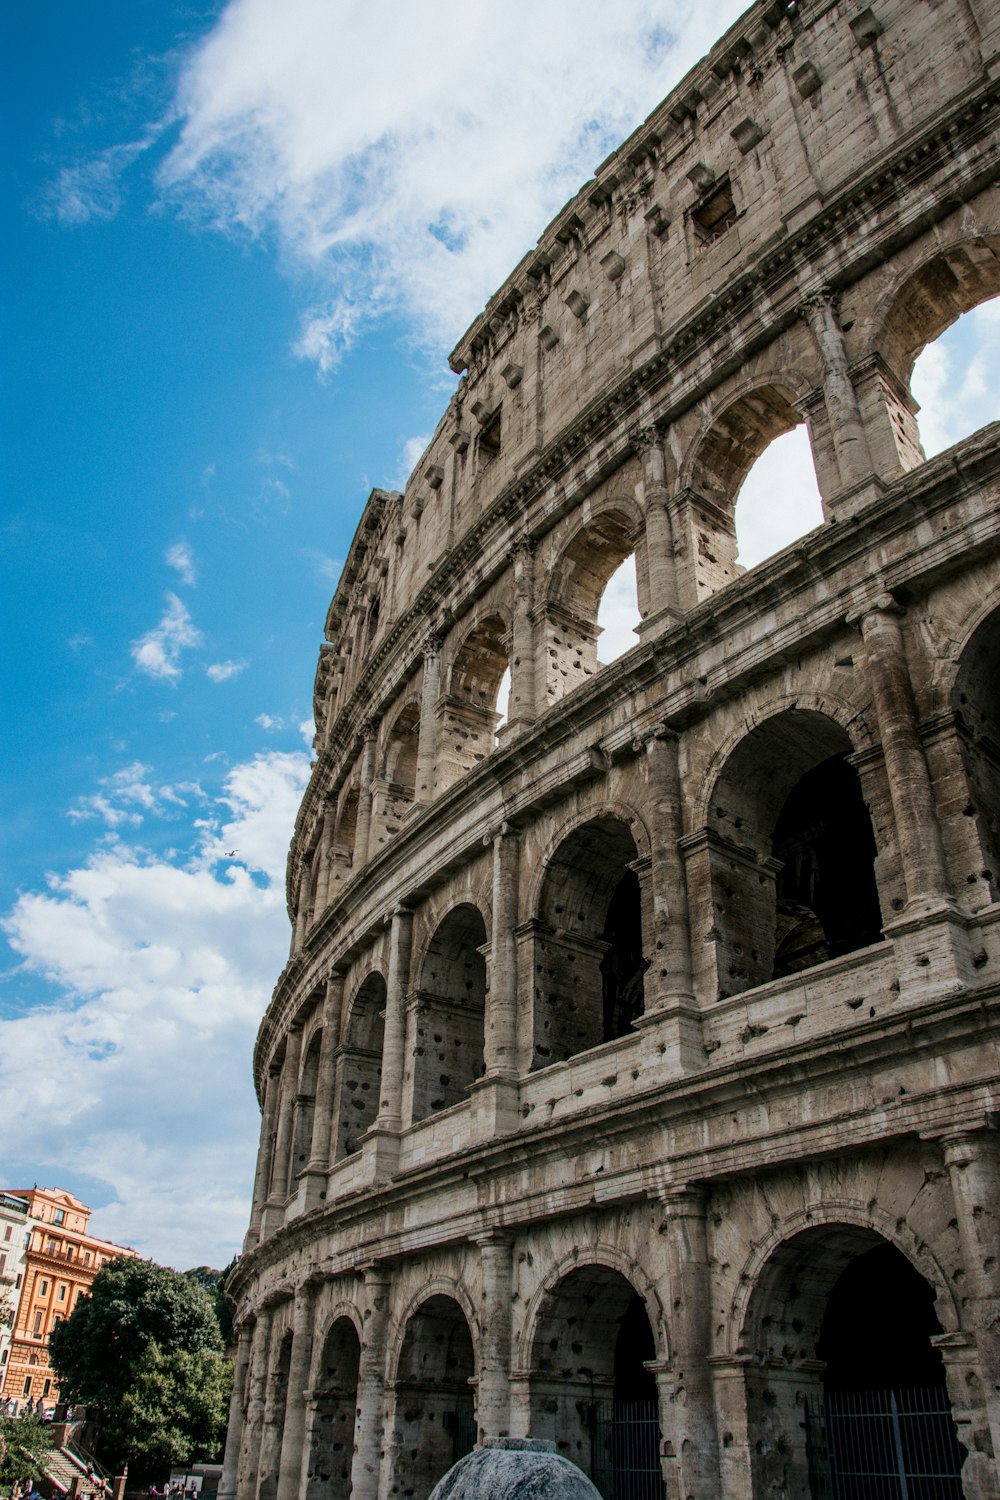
<point>883,1445</point>
<point>625,1450</point>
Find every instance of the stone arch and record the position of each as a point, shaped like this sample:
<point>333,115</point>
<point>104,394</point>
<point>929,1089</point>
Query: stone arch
<point>394,789</point>
<point>332,1407</point>
<point>586,1355</point>
<point>834,1305</point>
<point>579,575</point>
<point>433,1363</point>
<point>788,852</point>
<point>612,1258</point>
<point>975,702</point>
<point>361,1063</point>
<point>347,821</point>
<point>468,715</point>
<point>591,909</point>
<point>450,1012</point>
<point>305,1102</point>
<point>920,304</point>
<point>733,436</point>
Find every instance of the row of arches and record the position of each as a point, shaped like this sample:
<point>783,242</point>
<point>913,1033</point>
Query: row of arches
<point>838,1315</point>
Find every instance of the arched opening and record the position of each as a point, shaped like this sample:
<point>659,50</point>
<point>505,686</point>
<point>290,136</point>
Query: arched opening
<point>451,1013</point>
<point>591,1389</point>
<point>469,713</point>
<point>791,852</point>
<point>361,1065</point>
<point>277,1396</point>
<point>976,702</point>
<point>952,381</point>
<point>305,1105</point>
<point>846,1392</point>
<point>503,701</point>
<point>435,1411</point>
<point>618,613</point>
<point>579,583</point>
<point>779,500</point>
<point>393,792</point>
<point>347,824</point>
<point>589,962</point>
<point>332,1413</point>
<point>739,437</point>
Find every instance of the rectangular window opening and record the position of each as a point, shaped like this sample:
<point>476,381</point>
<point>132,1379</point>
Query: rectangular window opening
<point>716,211</point>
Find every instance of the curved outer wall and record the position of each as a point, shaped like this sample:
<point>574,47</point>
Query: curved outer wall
<point>584,1014</point>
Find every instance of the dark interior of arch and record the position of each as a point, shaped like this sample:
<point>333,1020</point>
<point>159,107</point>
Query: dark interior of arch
<point>480,664</point>
<point>977,704</point>
<point>347,823</point>
<point>451,1013</point>
<point>588,563</point>
<point>590,964</point>
<point>788,794</point>
<point>331,1436</point>
<point>435,1404</point>
<point>877,1327</point>
<point>361,1068</point>
<point>401,750</point>
<point>953,282</point>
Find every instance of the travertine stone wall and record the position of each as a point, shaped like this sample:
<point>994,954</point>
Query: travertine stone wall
<point>642,1047</point>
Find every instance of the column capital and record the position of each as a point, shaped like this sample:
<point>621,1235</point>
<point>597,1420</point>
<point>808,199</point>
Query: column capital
<point>683,1199</point>
<point>505,829</point>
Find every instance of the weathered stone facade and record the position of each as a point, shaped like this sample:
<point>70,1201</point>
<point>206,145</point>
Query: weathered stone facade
<point>647,1050</point>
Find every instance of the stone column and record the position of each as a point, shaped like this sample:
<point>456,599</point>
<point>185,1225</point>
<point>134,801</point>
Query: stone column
<point>427,736</point>
<point>324,855</point>
<point>249,1453</point>
<point>302,908</point>
<point>973,1161</point>
<point>326,1077</point>
<point>669,986</point>
<point>293,1445</point>
<point>397,985</point>
<point>522,706</point>
<point>371,1386</point>
<point>237,1415</point>
<point>362,835</point>
<point>847,428</point>
<point>265,1158</point>
<point>493,1386</point>
<point>921,853</point>
<point>283,1141</point>
<point>501,1016</point>
<point>660,569</point>
<point>273,1421</point>
<point>691,1419</point>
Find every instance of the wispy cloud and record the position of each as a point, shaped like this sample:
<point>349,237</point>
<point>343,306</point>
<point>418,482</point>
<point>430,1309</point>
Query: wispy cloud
<point>93,188</point>
<point>181,559</point>
<point>158,652</point>
<point>222,671</point>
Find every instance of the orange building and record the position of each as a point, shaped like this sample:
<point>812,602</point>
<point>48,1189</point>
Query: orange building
<point>61,1261</point>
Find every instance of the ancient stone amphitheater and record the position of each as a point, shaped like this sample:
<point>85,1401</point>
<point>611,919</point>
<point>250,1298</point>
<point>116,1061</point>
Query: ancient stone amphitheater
<point>632,1082</point>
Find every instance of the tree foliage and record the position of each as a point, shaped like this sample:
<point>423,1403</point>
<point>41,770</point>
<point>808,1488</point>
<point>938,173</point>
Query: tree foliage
<point>145,1349</point>
<point>24,1442</point>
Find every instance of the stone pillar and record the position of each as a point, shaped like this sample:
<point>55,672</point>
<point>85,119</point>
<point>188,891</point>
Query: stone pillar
<point>846,425</point>
<point>371,1386</point>
<point>501,1015</point>
<point>973,1161</point>
<point>522,706</point>
<point>237,1415</point>
<point>389,1120</point>
<point>669,986</point>
<point>293,1445</point>
<point>362,835</point>
<point>302,908</point>
<point>265,1158</point>
<point>493,1386</point>
<point>326,1076</point>
<point>690,1423</point>
<point>246,1478</point>
<point>283,1141</point>
<point>272,1422</point>
<point>324,856</point>
<point>427,737</point>
<point>660,569</point>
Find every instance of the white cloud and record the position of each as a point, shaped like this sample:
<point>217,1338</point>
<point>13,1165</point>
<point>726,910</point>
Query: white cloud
<point>618,614</point>
<point>157,653</point>
<point>327,568</point>
<point>955,379</point>
<point>138,1073</point>
<point>92,188</point>
<point>404,157</point>
<point>269,722</point>
<point>779,500</point>
<point>128,795</point>
<point>408,458</point>
<point>181,559</point>
<point>222,671</point>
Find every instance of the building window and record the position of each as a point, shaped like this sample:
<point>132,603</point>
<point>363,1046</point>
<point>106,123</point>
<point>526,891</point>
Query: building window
<point>3,1264</point>
<point>62,1294</point>
<point>53,1247</point>
<point>716,211</point>
<point>36,1327</point>
<point>3,1356</point>
<point>7,1232</point>
<point>43,1289</point>
<point>27,1386</point>
<point>59,1217</point>
<point>32,1358</point>
<point>86,1257</point>
<point>17,1286</point>
<point>46,1387</point>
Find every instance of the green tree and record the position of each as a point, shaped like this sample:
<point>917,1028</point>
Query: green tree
<point>24,1442</point>
<point>145,1330</point>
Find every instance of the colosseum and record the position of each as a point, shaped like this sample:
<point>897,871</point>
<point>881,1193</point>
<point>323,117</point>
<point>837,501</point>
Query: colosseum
<point>633,1079</point>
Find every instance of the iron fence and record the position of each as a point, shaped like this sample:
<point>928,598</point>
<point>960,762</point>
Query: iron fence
<point>883,1445</point>
<point>625,1450</point>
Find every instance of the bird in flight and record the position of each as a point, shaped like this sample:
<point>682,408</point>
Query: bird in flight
<point>231,852</point>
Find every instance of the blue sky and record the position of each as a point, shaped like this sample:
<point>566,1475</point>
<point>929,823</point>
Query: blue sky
<point>239,241</point>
